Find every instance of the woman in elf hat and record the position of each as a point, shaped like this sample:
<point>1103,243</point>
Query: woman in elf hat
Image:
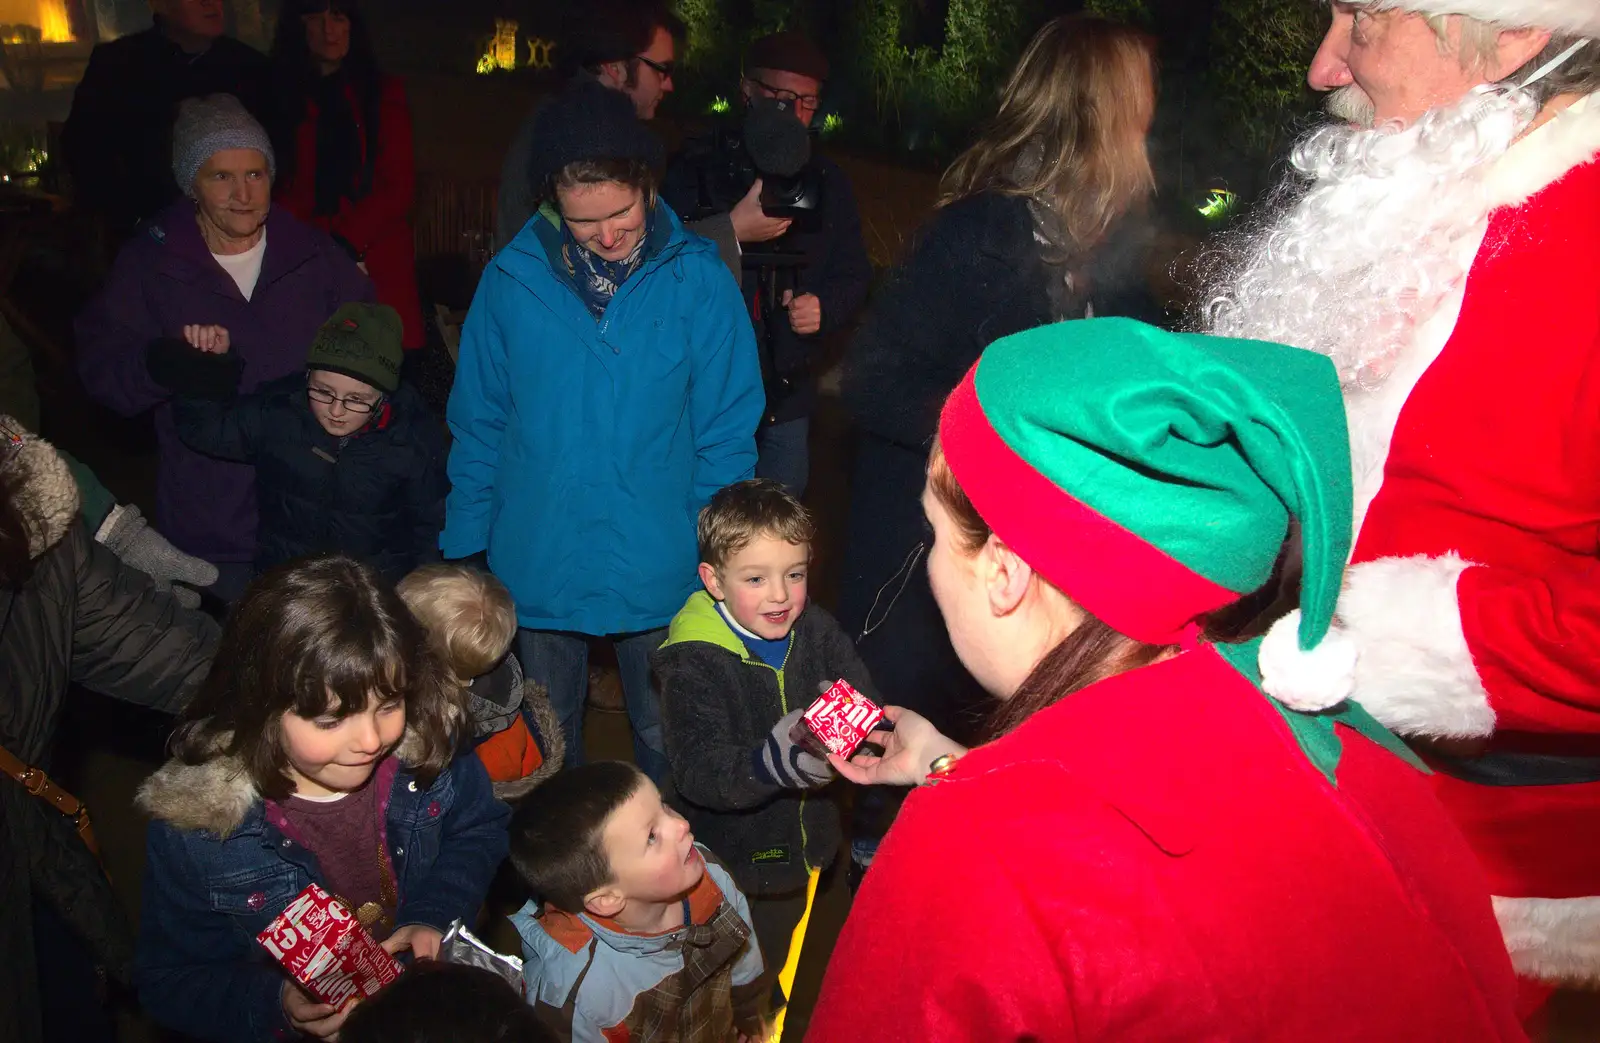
<point>1149,847</point>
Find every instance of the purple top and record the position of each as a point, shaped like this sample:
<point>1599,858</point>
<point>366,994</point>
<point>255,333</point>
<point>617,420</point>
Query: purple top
<point>166,278</point>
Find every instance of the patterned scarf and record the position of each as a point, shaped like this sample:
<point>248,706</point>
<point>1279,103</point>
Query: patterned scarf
<point>596,278</point>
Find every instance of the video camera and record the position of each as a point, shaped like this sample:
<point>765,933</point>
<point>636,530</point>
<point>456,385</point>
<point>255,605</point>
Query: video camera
<point>772,144</point>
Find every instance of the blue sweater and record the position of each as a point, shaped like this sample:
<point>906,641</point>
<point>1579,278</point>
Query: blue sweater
<point>585,449</point>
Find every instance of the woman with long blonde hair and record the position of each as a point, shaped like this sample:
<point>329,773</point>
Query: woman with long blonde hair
<point>1027,217</point>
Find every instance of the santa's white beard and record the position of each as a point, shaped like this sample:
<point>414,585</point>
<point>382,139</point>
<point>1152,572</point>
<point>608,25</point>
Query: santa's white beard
<point>1366,237</point>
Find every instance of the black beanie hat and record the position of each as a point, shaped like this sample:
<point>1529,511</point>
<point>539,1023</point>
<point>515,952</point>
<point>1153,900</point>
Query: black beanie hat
<point>588,120</point>
<point>788,52</point>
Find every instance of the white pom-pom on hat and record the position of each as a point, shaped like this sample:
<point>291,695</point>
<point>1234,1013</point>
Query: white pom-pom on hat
<point>1308,681</point>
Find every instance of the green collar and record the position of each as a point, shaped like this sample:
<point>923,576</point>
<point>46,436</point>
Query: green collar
<point>1314,732</point>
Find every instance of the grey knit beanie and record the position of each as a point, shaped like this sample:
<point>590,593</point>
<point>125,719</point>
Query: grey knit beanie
<point>209,125</point>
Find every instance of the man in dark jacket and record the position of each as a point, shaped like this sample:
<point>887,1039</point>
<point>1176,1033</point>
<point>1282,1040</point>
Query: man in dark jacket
<point>824,285</point>
<point>118,137</point>
<point>347,458</point>
<point>70,612</point>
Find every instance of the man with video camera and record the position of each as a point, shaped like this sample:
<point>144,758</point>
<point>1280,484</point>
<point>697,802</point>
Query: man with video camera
<point>804,266</point>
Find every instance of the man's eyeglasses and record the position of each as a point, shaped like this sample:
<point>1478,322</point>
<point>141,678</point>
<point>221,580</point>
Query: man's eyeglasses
<point>809,102</point>
<point>328,398</point>
<point>664,68</point>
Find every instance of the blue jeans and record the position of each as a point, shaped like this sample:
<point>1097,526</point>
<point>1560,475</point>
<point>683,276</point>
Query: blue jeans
<point>560,661</point>
<point>784,455</point>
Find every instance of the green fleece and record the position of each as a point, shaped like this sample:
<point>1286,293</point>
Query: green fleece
<point>719,703</point>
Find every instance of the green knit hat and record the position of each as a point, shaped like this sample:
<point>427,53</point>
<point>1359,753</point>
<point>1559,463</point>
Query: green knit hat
<point>361,341</point>
<point>1150,475</point>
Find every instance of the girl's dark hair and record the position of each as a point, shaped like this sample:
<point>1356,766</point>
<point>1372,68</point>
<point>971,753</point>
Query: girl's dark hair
<point>1095,651</point>
<point>313,637</point>
<point>16,557</point>
<point>435,1002</point>
<point>295,76</point>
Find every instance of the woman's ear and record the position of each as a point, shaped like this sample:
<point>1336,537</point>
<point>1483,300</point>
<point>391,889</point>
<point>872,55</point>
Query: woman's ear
<point>1005,575</point>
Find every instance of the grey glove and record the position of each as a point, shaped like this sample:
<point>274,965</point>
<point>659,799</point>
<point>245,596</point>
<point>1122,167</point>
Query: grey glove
<point>126,534</point>
<point>780,761</point>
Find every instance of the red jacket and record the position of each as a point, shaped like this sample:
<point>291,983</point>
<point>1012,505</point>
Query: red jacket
<point>1154,858</point>
<point>1475,583</point>
<point>379,226</point>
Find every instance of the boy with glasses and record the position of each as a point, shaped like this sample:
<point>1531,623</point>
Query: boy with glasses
<point>347,458</point>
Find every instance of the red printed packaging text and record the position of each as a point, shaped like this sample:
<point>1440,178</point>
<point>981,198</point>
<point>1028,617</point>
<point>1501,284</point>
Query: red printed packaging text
<point>321,945</point>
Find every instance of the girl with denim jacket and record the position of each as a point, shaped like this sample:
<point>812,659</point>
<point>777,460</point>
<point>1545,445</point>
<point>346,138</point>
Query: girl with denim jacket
<point>322,749</point>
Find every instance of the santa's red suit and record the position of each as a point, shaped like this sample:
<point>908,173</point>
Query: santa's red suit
<point>1476,573</point>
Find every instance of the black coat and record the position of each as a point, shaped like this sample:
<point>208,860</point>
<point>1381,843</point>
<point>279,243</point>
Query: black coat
<point>118,136</point>
<point>378,495</point>
<point>975,273</point>
<point>82,617</point>
<point>836,269</point>
<point>718,706</point>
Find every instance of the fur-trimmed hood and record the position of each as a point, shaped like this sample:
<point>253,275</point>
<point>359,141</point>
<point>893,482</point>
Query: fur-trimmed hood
<point>551,738</point>
<point>48,497</point>
<point>217,795</point>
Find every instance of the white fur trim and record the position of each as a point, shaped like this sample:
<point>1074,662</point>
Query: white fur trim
<point>214,796</point>
<point>1544,157</point>
<point>1580,17</point>
<point>1306,680</point>
<point>1555,940</point>
<point>1415,672</point>
<point>48,497</point>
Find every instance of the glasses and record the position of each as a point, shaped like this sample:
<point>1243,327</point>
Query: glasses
<point>809,102</point>
<point>328,398</point>
<point>664,68</point>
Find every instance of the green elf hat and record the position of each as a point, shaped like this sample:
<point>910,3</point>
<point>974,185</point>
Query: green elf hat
<point>1151,476</point>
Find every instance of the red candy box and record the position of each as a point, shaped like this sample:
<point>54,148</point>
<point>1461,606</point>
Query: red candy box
<point>321,945</point>
<point>837,721</point>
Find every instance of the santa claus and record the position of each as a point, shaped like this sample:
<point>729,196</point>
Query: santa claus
<point>1442,244</point>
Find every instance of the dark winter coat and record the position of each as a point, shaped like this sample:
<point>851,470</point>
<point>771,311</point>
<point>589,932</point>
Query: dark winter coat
<point>166,278</point>
<point>976,273</point>
<point>118,137</point>
<point>377,227</point>
<point>836,268</point>
<point>219,867</point>
<point>718,705</point>
<point>377,495</point>
<point>82,617</point>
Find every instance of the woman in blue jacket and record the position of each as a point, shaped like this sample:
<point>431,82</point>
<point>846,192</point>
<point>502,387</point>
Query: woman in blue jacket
<point>608,384</point>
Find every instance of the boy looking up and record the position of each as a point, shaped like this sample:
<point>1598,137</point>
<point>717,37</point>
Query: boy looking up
<point>633,933</point>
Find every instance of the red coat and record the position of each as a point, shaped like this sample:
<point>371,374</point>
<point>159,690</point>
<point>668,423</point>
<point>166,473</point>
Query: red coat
<point>1476,576</point>
<point>1154,858</point>
<point>379,226</point>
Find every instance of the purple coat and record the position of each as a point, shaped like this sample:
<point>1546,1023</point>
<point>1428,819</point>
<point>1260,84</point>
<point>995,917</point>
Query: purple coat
<point>166,278</point>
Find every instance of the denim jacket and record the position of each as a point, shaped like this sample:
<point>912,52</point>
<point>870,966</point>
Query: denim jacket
<point>218,871</point>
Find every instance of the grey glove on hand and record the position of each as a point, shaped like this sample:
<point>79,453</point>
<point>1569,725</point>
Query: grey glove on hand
<point>780,762</point>
<point>126,534</point>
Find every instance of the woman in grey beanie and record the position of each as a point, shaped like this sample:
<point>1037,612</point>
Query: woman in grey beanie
<point>219,269</point>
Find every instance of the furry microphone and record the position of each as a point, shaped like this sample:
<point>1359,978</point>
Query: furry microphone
<point>777,142</point>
